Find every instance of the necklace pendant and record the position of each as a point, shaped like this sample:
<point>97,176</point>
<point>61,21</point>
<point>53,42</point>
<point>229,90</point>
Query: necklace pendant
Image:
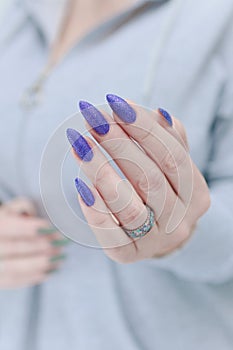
<point>31,98</point>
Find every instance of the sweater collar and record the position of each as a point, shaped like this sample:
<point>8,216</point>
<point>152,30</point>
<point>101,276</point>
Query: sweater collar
<point>48,14</point>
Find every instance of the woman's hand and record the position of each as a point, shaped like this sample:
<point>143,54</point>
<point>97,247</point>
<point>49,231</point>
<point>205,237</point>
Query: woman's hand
<point>151,149</point>
<point>29,247</point>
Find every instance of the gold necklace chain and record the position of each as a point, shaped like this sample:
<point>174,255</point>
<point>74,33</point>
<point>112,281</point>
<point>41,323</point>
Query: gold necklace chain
<point>33,95</point>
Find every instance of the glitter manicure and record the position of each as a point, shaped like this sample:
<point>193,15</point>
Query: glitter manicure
<point>166,116</point>
<point>84,192</point>
<point>94,117</point>
<point>124,111</point>
<point>80,145</point>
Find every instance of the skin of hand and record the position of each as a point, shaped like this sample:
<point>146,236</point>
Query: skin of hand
<point>151,150</point>
<point>29,247</point>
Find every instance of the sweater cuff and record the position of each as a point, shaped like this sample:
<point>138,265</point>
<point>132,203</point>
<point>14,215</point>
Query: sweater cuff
<point>208,255</point>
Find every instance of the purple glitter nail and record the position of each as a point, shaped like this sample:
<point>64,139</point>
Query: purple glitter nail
<point>124,111</point>
<point>166,116</point>
<point>80,145</point>
<point>85,192</point>
<point>94,117</point>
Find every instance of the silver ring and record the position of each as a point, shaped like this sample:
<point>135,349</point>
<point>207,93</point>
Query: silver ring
<point>142,230</point>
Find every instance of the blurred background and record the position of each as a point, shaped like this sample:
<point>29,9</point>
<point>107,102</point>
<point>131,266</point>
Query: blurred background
<point>2,7</point>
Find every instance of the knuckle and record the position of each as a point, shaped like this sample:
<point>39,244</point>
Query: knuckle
<point>116,146</point>
<point>205,203</point>
<point>153,181</point>
<point>146,134</point>
<point>131,213</point>
<point>99,220</point>
<point>103,173</point>
<point>174,159</point>
<point>183,230</point>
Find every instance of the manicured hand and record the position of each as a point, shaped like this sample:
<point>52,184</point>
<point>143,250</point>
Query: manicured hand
<point>29,247</point>
<point>150,148</point>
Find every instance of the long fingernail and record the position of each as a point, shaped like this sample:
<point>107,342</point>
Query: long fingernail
<point>165,115</point>
<point>59,242</point>
<point>47,231</point>
<point>124,111</point>
<point>80,145</point>
<point>85,192</point>
<point>57,257</point>
<point>94,118</point>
